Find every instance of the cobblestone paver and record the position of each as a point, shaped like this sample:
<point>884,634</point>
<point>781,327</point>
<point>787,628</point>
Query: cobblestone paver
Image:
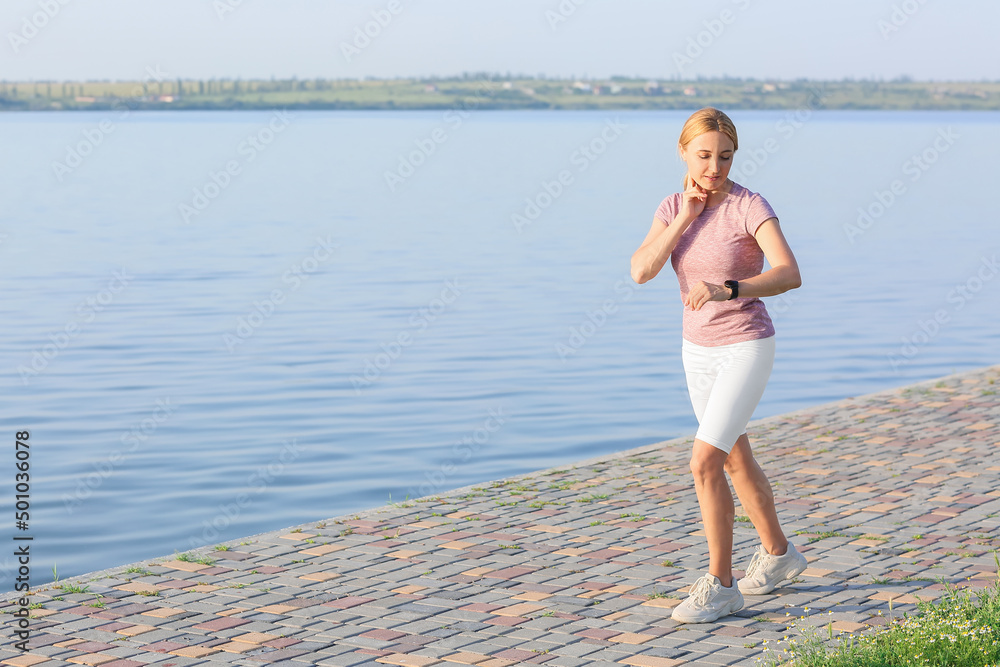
<point>888,496</point>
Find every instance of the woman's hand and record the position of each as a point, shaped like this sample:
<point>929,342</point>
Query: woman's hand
<point>702,292</point>
<point>693,200</point>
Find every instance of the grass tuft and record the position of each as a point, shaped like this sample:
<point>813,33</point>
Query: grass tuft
<point>204,560</point>
<point>955,630</point>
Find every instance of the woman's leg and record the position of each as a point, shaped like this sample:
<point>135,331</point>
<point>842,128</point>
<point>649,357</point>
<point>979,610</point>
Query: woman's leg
<point>756,496</point>
<point>725,385</point>
<point>717,510</point>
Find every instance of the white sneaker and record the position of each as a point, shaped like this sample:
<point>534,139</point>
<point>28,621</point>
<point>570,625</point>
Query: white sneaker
<point>766,570</point>
<point>708,600</point>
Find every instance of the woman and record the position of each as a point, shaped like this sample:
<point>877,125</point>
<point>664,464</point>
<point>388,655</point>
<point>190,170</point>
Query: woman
<point>716,234</point>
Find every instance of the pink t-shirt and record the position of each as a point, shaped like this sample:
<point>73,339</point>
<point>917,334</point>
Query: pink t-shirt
<point>719,246</point>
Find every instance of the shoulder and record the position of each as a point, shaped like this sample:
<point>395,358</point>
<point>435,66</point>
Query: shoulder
<point>673,199</point>
<point>751,207</point>
<point>669,207</point>
<point>746,197</point>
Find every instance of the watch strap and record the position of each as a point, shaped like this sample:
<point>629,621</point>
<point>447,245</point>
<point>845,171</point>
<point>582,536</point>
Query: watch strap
<point>735,287</point>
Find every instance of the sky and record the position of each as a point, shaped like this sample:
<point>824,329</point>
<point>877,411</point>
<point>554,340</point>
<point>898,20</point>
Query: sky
<point>655,39</point>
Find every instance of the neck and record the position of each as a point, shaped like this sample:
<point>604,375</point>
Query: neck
<point>716,196</point>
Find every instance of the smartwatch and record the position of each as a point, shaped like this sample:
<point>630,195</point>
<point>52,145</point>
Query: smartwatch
<point>734,286</point>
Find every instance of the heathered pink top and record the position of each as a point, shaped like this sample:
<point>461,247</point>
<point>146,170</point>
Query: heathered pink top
<point>719,246</point>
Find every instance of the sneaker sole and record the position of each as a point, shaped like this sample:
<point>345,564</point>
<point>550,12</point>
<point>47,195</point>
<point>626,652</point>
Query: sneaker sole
<point>764,590</point>
<point>710,619</point>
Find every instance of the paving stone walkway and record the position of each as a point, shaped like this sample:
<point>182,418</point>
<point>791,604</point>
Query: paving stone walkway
<point>887,495</point>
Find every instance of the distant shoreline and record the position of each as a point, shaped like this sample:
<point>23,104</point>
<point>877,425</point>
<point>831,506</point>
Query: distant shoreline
<point>492,92</point>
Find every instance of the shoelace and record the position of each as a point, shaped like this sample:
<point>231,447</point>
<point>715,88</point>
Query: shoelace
<point>699,594</point>
<point>756,564</point>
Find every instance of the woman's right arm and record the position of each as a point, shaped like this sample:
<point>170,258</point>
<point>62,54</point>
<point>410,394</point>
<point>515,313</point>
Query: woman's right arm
<point>657,246</point>
<point>661,240</point>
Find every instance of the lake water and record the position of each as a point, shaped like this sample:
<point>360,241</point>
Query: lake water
<point>218,324</point>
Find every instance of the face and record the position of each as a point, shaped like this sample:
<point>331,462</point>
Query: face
<point>709,156</point>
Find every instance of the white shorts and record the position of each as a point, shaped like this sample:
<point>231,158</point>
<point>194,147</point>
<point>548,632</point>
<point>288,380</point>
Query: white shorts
<point>726,383</point>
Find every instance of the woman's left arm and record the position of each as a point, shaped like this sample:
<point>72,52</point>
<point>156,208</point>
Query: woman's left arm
<point>781,277</point>
<point>784,272</point>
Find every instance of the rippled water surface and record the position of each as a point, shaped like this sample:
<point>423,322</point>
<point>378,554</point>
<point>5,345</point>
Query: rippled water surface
<point>218,324</point>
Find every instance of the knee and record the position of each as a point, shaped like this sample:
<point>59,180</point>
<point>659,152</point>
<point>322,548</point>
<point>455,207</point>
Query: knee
<point>740,459</point>
<point>734,465</point>
<point>706,467</point>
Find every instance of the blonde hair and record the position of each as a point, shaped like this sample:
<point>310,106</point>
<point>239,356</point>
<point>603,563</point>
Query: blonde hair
<point>705,120</point>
